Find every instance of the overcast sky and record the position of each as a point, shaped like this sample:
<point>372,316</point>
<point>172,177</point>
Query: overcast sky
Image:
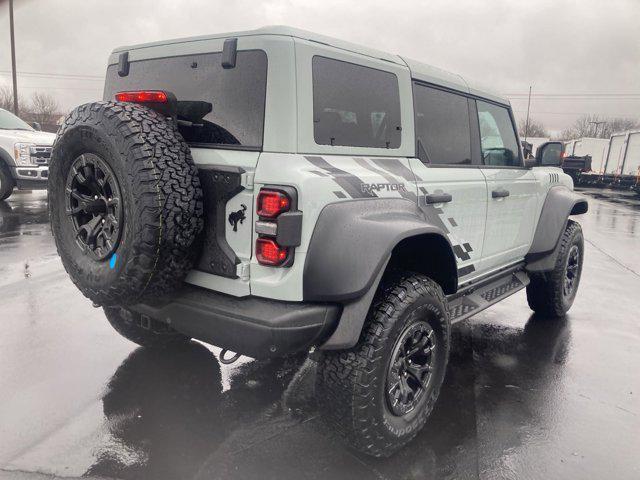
<point>589,48</point>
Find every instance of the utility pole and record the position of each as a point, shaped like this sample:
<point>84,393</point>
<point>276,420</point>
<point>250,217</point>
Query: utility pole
<point>13,60</point>
<point>526,127</point>
<point>597,124</point>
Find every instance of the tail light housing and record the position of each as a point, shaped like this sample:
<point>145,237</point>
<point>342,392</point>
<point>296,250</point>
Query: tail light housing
<point>142,96</point>
<point>272,203</point>
<point>163,102</point>
<point>279,226</point>
<point>268,252</point>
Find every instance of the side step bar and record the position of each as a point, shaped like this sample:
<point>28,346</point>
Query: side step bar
<point>477,298</point>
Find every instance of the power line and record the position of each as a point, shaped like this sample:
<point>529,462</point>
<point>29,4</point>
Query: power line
<point>62,76</point>
<point>571,94</point>
<point>581,113</point>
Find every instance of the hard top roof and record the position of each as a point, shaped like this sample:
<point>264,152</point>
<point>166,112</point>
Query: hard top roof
<point>419,70</point>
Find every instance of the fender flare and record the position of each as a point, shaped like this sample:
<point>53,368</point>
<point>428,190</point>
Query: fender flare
<point>352,243</point>
<point>561,202</point>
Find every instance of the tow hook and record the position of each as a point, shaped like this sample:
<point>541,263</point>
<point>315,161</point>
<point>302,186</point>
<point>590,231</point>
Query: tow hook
<point>229,360</point>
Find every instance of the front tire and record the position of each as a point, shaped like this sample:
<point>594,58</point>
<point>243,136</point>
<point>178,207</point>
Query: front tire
<point>379,394</point>
<point>143,330</point>
<point>551,294</point>
<point>7,183</point>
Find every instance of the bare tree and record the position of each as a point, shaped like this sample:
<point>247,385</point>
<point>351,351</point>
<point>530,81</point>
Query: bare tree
<point>44,108</point>
<point>534,129</point>
<point>599,127</point>
<point>6,98</point>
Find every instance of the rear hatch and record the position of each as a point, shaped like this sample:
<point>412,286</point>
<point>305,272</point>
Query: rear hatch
<point>221,116</point>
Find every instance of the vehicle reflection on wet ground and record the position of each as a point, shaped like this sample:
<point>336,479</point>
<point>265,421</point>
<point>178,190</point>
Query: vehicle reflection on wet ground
<point>524,397</point>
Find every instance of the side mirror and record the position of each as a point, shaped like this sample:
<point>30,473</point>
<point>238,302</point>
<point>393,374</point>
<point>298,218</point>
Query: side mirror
<point>530,162</point>
<point>549,154</point>
<point>36,126</point>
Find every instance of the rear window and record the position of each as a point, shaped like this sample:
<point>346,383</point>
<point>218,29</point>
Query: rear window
<point>355,106</point>
<point>218,106</point>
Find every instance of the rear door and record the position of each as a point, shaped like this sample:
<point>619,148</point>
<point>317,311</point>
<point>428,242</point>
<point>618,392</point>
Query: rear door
<point>450,186</point>
<point>512,189</point>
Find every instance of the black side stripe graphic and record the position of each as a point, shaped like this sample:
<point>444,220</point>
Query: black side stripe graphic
<point>452,221</point>
<point>466,270</point>
<point>467,247</point>
<point>349,183</point>
<point>339,194</point>
<point>409,195</point>
<point>395,167</point>
<point>460,253</point>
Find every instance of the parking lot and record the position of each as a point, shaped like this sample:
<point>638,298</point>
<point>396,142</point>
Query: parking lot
<point>524,397</point>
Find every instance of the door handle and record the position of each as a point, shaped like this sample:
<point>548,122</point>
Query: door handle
<point>438,198</point>
<point>500,193</point>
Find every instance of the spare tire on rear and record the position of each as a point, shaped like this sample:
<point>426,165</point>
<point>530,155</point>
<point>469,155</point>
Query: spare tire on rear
<point>125,202</point>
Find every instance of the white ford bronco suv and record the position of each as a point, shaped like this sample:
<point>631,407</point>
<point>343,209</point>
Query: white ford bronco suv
<point>24,155</point>
<point>276,191</point>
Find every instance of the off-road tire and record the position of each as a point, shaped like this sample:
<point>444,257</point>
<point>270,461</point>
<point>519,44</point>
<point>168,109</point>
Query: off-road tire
<point>351,384</point>
<point>144,331</point>
<point>7,183</point>
<point>545,291</point>
<point>161,202</point>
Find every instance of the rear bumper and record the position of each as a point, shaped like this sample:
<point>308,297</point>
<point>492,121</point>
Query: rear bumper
<point>252,326</point>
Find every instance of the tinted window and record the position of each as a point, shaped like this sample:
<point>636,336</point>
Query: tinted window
<point>354,106</point>
<point>442,126</point>
<point>224,106</point>
<point>497,136</point>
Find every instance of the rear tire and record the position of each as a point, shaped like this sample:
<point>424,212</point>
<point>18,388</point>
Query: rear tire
<point>361,391</point>
<point>552,293</point>
<point>7,183</point>
<point>143,330</point>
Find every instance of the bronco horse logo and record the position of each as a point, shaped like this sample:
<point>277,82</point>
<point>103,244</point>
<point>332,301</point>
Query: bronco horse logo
<point>238,216</point>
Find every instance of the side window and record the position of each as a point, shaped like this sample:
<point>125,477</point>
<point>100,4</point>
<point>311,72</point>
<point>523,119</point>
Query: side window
<point>355,106</point>
<point>497,136</point>
<point>442,126</point>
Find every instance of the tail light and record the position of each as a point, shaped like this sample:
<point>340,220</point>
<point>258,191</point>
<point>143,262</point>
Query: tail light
<point>279,226</point>
<point>272,203</point>
<point>268,252</point>
<point>142,96</point>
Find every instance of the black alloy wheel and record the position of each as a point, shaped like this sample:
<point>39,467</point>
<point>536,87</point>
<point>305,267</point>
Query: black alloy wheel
<point>94,204</point>
<point>410,368</point>
<point>572,271</point>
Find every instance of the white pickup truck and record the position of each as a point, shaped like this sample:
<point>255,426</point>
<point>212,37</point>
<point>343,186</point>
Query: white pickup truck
<point>24,155</point>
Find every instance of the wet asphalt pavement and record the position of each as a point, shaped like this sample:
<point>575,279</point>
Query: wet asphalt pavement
<point>524,397</point>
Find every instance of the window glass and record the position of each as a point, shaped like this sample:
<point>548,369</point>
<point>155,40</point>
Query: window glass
<point>497,136</point>
<point>8,121</point>
<point>355,106</point>
<point>218,106</point>
<point>442,126</point>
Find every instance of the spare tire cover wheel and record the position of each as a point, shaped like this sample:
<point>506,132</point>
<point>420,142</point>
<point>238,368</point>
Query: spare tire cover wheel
<point>125,202</point>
